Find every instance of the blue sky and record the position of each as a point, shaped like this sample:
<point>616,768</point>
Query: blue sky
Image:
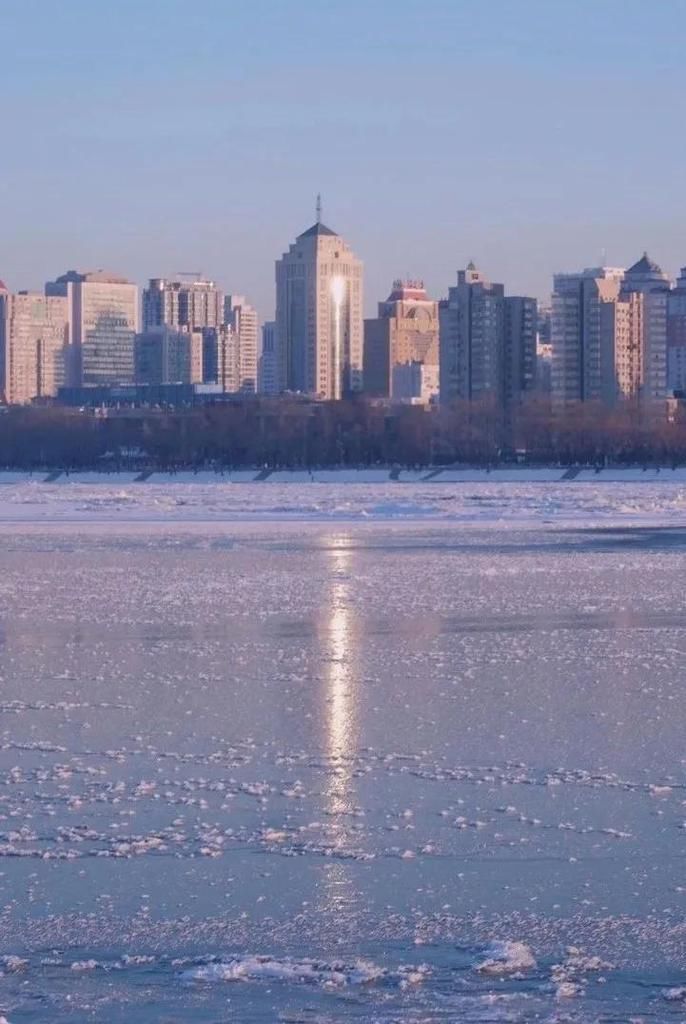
<point>155,136</point>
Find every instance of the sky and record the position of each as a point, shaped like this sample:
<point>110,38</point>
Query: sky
<point>150,137</point>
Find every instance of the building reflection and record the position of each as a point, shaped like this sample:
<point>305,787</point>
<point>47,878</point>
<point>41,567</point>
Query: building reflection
<point>340,725</point>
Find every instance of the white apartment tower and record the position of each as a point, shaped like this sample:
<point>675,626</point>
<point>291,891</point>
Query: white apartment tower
<point>621,357</point>
<point>240,316</point>
<point>609,334</point>
<point>319,319</point>
<point>221,360</point>
<point>33,345</point>
<point>647,279</point>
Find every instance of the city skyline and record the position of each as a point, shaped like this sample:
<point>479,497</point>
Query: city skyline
<point>609,333</point>
<point>349,102</point>
<point>371,300</point>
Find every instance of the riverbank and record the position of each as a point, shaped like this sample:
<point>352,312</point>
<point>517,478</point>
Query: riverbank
<point>467,475</point>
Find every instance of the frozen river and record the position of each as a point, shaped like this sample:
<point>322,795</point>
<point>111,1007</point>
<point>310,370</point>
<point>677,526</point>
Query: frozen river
<point>381,753</point>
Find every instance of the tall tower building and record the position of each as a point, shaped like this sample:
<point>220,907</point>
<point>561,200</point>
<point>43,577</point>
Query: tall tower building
<point>319,315</point>
<point>103,321</point>
<point>676,335</point>
<point>33,345</point>
<point>191,304</point>
<point>647,279</point>
<point>576,329</point>
<point>405,332</point>
<point>240,316</point>
<point>487,342</point>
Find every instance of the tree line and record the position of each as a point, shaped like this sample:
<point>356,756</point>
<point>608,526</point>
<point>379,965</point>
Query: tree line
<point>294,433</point>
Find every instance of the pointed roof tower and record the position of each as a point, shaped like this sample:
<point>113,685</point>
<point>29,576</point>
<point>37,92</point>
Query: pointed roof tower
<point>645,267</point>
<point>317,228</point>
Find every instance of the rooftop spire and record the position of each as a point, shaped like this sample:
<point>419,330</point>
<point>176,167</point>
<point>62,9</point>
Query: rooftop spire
<point>319,208</point>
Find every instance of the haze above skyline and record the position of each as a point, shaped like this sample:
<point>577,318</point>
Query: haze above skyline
<point>166,136</point>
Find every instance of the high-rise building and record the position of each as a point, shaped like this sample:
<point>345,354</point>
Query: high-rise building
<point>404,333</point>
<point>544,352</point>
<point>268,383</point>
<point>579,358</point>
<point>519,347</point>
<point>544,369</point>
<point>471,337</point>
<point>543,318</point>
<point>217,357</point>
<point>621,348</point>
<point>33,345</point>
<point>103,321</point>
<point>647,279</point>
<point>4,342</point>
<point>240,316</point>
<point>222,363</point>
<point>167,355</point>
<point>176,303</point>
<point>319,315</point>
<point>676,336</point>
<point>609,334</point>
<point>487,342</point>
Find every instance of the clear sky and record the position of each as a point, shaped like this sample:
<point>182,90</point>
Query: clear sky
<point>155,136</point>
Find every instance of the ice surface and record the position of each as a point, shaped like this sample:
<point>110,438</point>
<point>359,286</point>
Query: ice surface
<point>380,752</point>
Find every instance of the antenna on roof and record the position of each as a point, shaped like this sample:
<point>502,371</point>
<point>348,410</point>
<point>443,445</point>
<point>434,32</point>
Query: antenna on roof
<point>319,208</point>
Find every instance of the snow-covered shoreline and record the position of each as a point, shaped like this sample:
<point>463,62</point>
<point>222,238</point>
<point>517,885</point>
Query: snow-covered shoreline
<point>502,474</point>
<point>473,501</point>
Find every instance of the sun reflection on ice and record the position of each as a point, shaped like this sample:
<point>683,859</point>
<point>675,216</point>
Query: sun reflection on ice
<point>340,725</point>
<point>340,697</point>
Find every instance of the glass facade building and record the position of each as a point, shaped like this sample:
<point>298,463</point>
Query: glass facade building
<point>103,321</point>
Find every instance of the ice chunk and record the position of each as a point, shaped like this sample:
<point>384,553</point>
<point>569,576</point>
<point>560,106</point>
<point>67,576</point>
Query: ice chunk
<point>674,995</point>
<point>507,957</point>
<point>337,974</point>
